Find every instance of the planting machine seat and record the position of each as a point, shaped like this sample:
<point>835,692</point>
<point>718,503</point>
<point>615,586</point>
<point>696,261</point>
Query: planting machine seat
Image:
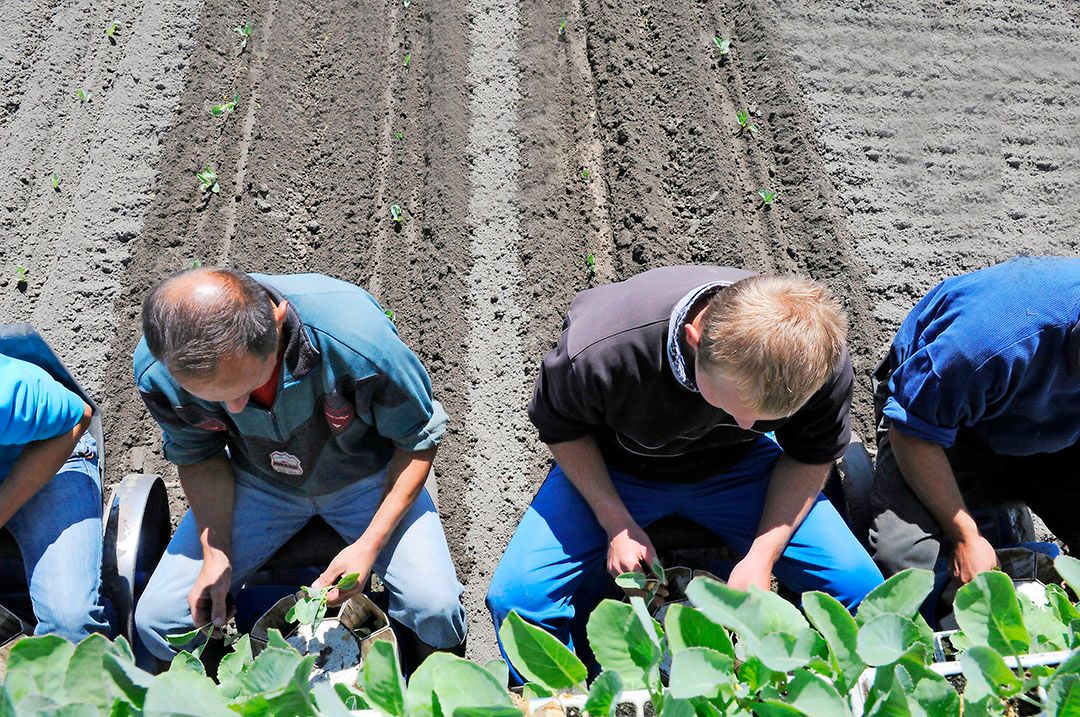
<point>23,342</point>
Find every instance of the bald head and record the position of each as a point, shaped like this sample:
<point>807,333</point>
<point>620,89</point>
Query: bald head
<point>195,319</point>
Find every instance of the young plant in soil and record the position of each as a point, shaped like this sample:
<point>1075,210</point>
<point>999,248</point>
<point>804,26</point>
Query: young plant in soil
<point>745,125</point>
<point>562,29</point>
<point>396,214</point>
<point>408,60</point>
<point>111,30</point>
<point>227,105</point>
<point>390,315</point>
<point>399,135</point>
<point>244,31</point>
<point>768,196</point>
<point>208,180</point>
<point>586,175</point>
<point>82,95</point>
<point>20,278</point>
<point>590,268</point>
<point>195,264</point>
<point>54,180</point>
<point>724,46</point>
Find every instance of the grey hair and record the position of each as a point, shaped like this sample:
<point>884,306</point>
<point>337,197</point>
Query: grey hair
<point>191,335</point>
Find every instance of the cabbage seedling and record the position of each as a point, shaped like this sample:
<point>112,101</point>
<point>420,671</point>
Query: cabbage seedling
<point>310,609</point>
<point>590,267</point>
<point>400,136</point>
<point>20,277</point>
<point>724,46</point>
<point>562,28</point>
<point>396,213</point>
<point>390,315</point>
<point>55,182</point>
<point>768,196</point>
<point>208,180</point>
<point>745,125</point>
<point>244,31</point>
<point>82,95</point>
<point>227,106</point>
<point>110,31</point>
<point>586,174</point>
<point>408,60</point>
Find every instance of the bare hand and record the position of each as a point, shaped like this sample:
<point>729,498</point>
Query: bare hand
<point>355,558</point>
<point>749,572</point>
<point>208,598</point>
<point>972,556</point>
<point>630,550</point>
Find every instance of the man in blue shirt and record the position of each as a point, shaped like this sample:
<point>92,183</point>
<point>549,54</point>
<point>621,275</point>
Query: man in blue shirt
<point>281,398</point>
<point>50,498</point>
<point>978,402</point>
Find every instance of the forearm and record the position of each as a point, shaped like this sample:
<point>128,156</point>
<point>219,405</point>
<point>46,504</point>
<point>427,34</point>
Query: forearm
<point>36,466</point>
<point>405,477</point>
<point>793,490</point>
<point>211,492</point>
<point>584,466</point>
<point>926,469</point>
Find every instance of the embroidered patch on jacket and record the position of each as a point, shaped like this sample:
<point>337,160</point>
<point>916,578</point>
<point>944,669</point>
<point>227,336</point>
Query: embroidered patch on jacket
<point>286,463</point>
<point>339,413</point>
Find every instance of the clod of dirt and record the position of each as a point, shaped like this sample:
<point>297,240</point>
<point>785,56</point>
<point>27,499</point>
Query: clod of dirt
<point>337,648</point>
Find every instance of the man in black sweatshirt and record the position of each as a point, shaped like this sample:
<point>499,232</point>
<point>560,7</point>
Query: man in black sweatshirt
<point>707,392</point>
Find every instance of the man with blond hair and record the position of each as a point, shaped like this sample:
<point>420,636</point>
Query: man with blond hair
<point>705,392</point>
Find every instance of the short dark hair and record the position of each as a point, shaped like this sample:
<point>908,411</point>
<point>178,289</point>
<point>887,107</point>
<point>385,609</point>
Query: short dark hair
<point>191,336</point>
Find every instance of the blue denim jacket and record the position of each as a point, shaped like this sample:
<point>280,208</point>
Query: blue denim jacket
<point>350,392</point>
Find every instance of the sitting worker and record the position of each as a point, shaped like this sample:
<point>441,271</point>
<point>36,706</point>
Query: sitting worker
<point>657,401</point>
<point>978,403</point>
<point>50,498</point>
<point>281,398</point>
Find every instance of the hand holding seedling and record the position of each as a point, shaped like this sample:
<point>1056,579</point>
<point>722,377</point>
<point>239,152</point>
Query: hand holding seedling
<point>650,587</point>
<point>209,596</point>
<point>630,550</point>
<point>356,558</point>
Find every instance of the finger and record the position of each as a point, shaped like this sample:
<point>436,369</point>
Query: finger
<point>217,608</point>
<point>328,577</point>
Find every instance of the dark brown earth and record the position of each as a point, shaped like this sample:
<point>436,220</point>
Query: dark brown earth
<point>909,141</point>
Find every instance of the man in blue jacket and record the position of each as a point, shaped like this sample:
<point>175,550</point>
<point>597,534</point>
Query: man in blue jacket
<point>978,402</point>
<point>281,398</point>
<point>50,498</point>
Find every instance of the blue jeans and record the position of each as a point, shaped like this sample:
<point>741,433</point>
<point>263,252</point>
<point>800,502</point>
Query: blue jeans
<point>554,571</point>
<point>415,564</point>
<point>59,535</point>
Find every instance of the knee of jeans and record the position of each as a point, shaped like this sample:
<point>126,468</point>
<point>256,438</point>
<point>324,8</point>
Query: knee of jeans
<point>860,576</point>
<point>69,618</point>
<point>508,591</point>
<point>436,615</point>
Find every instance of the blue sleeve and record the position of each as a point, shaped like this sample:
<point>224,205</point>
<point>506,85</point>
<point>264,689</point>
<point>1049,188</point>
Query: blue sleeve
<point>934,392</point>
<point>402,406</point>
<point>33,405</point>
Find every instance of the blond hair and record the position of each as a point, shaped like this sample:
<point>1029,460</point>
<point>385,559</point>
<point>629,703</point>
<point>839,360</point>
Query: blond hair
<point>777,338</point>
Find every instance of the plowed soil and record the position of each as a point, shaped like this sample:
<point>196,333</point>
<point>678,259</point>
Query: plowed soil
<point>909,141</point>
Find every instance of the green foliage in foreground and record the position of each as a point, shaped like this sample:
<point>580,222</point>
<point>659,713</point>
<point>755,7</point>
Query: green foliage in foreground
<point>734,653</point>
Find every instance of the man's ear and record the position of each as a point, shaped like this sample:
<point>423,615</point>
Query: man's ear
<point>693,336</point>
<point>279,312</point>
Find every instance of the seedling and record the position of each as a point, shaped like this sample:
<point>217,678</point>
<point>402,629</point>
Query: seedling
<point>408,60</point>
<point>745,125</point>
<point>768,196</point>
<point>208,180</point>
<point>244,31</point>
<point>111,29</point>
<point>724,46</point>
<point>20,277</point>
<point>83,95</point>
<point>586,175</point>
<point>396,213</point>
<point>310,609</point>
<point>195,264</point>
<point>562,28</point>
<point>649,584</point>
<point>590,267</point>
<point>55,182</point>
<point>406,3</point>
<point>390,315</point>
<point>228,105</point>
<point>400,136</point>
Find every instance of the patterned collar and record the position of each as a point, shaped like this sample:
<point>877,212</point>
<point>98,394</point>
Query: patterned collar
<point>684,373</point>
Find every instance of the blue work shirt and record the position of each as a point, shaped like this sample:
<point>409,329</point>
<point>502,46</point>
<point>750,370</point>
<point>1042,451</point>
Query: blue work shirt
<point>350,392</point>
<point>995,354</point>
<point>33,407</point>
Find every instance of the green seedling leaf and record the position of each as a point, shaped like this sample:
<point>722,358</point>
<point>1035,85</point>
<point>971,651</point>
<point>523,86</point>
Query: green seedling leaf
<point>180,693</point>
<point>700,672</point>
<point>352,699</point>
<point>604,694</point>
<point>400,135</point>
<point>244,31</point>
<point>988,612</point>
<point>586,174</point>
<point>487,712</point>
<point>743,117</point>
<point>82,95</point>
<point>208,180</point>
<point>753,615</point>
<point>186,661</point>
<point>309,609</point>
<point>20,275</point>
<point>885,639</point>
<point>82,679</point>
<point>179,639</point>
<point>631,581</point>
<point>384,686</point>
<point>462,684</point>
<point>621,643</point>
<point>987,674</point>
<point>724,46</point>
<point>348,582</point>
<point>129,680</point>
<point>1069,570</point>
<point>37,666</point>
<point>228,105</point>
<point>840,631</point>
<point>330,701</point>
<point>1061,605</point>
<point>687,627</point>
<point>408,60</point>
<point>420,694</point>
<point>815,697</point>
<point>396,213</point>
<point>1063,697</point>
<point>539,656</point>
<point>783,652</point>
<point>55,181</point>
<point>111,29</point>
<point>902,594</point>
<point>768,196</point>
<point>658,571</point>
<point>389,314</point>
<point>562,27</point>
<point>499,670</point>
<point>677,708</point>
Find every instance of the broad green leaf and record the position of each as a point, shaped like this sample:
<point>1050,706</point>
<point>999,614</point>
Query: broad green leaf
<point>776,708</point>
<point>295,698</point>
<point>815,697</point>
<point>184,694</point>
<point>329,701</point>
<point>540,656</point>
<point>840,631</point>
<point>129,679</point>
<point>271,670</point>
<point>533,691</point>
<point>1069,570</point>
<point>935,696</point>
<point>885,639</point>
<point>460,683</point>
<point>782,652</point>
<point>384,686</point>
<point>902,594</point>
<point>987,674</point>
<point>232,666</point>
<point>1062,606</point>
<point>500,711</point>
<point>184,660</point>
<point>499,670</point>
<point>752,615</point>
<point>353,700</point>
<point>348,582</point>
<point>674,707</point>
<point>989,613</point>
<point>1063,697</point>
<point>420,694</point>
<point>1048,633</point>
<point>274,639</point>
<point>755,675</point>
<point>631,581</point>
<point>604,694</point>
<point>699,672</point>
<point>688,627</point>
<point>988,706</point>
<point>621,643</point>
<point>37,666</point>
<point>82,679</point>
<point>181,639</point>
